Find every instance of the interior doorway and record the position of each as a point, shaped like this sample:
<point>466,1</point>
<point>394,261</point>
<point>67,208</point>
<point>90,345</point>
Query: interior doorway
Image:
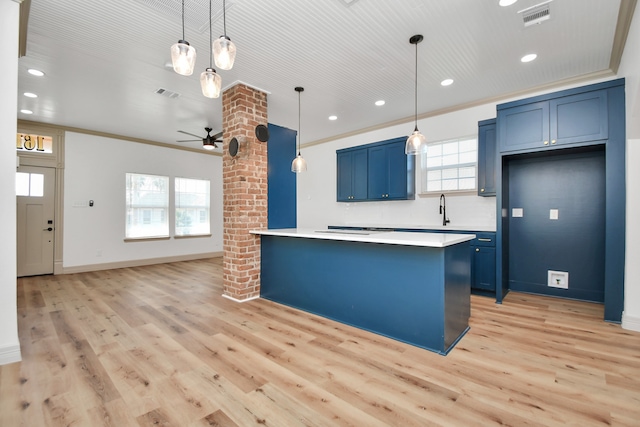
<point>35,199</point>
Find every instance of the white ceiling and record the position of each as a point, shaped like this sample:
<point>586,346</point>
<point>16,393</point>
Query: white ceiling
<point>104,60</point>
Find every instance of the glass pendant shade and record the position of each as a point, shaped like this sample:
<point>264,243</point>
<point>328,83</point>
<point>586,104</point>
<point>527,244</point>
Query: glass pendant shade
<point>224,53</point>
<point>183,58</point>
<point>416,143</point>
<point>211,83</point>
<point>299,164</point>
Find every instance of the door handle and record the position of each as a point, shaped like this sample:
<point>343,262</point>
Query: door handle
<point>47,229</point>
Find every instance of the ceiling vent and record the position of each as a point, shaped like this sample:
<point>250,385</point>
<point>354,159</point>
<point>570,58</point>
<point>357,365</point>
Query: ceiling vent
<point>536,14</point>
<point>167,93</point>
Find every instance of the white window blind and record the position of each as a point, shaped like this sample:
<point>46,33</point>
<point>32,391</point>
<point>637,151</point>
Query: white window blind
<point>449,166</point>
<point>147,204</point>
<point>192,207</point>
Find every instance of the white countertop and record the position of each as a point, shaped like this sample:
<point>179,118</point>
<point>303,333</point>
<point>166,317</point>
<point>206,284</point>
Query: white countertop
<point>432,240</point>
<point>452,227</point>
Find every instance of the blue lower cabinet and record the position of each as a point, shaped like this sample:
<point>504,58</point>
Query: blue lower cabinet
<point>483,268</point>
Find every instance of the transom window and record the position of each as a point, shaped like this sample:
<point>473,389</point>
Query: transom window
<point>449,166</point>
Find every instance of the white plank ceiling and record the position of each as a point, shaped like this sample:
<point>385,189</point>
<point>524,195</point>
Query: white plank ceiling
<point>105,60</point>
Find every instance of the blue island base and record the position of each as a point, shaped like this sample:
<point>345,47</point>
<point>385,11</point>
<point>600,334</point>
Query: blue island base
<point>417,295</point>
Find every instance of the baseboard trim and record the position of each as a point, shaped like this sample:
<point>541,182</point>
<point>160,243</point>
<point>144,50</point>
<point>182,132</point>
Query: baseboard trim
<point>10,354</point>
<point>137,263</point>
<point>630,322</point>
<point>240,300</point>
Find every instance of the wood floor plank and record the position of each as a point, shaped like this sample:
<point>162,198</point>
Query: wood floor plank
<point>159,345</point>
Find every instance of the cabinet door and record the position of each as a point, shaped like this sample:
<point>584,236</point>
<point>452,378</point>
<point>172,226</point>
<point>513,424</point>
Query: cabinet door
<point>484,268</point>
<point>524,127</point>
<point>378,176</point>
<point>487,159</point>
<point>344,189</point>
<point>397,171</point>
<point>352,175</point>
<point>359,175</point>
<point>579,118</point>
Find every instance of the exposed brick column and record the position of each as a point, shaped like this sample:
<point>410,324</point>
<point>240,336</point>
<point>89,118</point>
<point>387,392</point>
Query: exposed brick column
<point>244,190</point>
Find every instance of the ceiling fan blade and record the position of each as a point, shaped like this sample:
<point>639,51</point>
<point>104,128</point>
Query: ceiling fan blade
<point>187,133</point>
<point>217,136</point>
<point>189,140</point>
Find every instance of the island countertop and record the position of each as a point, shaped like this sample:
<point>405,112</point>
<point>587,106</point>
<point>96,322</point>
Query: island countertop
<point>432,240</point>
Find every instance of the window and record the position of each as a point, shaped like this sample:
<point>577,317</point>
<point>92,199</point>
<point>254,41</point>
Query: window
<point>192,207</point>
<point>29,184</point>
<point>450,166</point>
<point>147,199</point>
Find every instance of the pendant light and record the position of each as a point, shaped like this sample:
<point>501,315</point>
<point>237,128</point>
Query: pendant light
<point>416,142</point>
<point>183,56</point>
<point>299,164</point>
<point>224,50</point>
<point>209,80</point>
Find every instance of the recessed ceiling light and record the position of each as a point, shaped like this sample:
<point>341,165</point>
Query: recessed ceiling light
<point>528,58</point>
<point>505,3</point>
<point>380,102</point>
<point>333,117</point>
<point>30,95</point>
<point>26,111</point>
<point>446,82</point>
<point>35,72</point>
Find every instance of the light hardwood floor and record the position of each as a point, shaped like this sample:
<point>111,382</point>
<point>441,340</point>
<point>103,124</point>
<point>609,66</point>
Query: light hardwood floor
<point>159,346</point>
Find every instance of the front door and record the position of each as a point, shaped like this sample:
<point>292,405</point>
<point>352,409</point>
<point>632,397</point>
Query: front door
<point>35,195</point>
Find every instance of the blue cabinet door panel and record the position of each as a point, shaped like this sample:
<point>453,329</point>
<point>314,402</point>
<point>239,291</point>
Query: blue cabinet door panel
<point>579,118</point>
<point>487,158</point>
<point>524,127</point>
<point>281,182</point>
<point>397,167</point>
<point>377,172</point>
<point>359,175</point>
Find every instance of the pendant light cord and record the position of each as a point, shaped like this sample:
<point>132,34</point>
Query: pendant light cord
<point>299,132</point>
<point>224,17</point>
<point>182,19</point>
<point>416,89</point>
<point>210,40</point>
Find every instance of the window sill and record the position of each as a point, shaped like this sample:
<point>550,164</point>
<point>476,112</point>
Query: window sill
<point>190,236</point>
<point>145,239</point>
<point>473,192</point>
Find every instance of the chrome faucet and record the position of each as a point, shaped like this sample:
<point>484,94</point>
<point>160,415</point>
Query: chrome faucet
<point>443,210</point>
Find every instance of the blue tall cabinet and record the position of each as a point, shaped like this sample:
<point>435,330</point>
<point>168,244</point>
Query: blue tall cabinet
<point>281,150</point>
<point>563,152</point>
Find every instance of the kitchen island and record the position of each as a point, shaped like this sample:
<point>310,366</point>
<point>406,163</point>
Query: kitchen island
<point>412,287</point>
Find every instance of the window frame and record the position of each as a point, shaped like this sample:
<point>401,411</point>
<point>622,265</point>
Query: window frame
<point>198,209</point>
<point>128,236</point>
<point>423,170</point>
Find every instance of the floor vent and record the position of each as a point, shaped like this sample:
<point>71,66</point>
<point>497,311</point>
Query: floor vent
<point>536,14</point>
<point>167,93</point>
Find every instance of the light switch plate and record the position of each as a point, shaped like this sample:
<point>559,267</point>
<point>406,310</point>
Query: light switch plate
<point>553,214</point>
<point>517,213</point>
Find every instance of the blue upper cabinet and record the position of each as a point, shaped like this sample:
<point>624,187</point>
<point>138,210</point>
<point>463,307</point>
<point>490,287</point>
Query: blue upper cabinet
<point>487,158</point>
<point>571,119</point>
<point>352,175</point>
<point>378,171</point>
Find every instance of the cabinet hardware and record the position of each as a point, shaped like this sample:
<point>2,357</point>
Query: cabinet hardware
<point>546,143</point>
<point>477,250</point>
<point>482,239</point>
<point>553,141</point>
<point>482,190</point>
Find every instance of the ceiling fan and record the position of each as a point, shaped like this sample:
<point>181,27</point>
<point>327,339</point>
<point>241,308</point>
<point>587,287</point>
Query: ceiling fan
<point>208,142</point>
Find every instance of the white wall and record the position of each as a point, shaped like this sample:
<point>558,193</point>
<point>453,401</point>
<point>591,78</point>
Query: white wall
<point>317,206</point>
<point>95,169</point>
<point>630,70</point>
<point>9,344</point>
